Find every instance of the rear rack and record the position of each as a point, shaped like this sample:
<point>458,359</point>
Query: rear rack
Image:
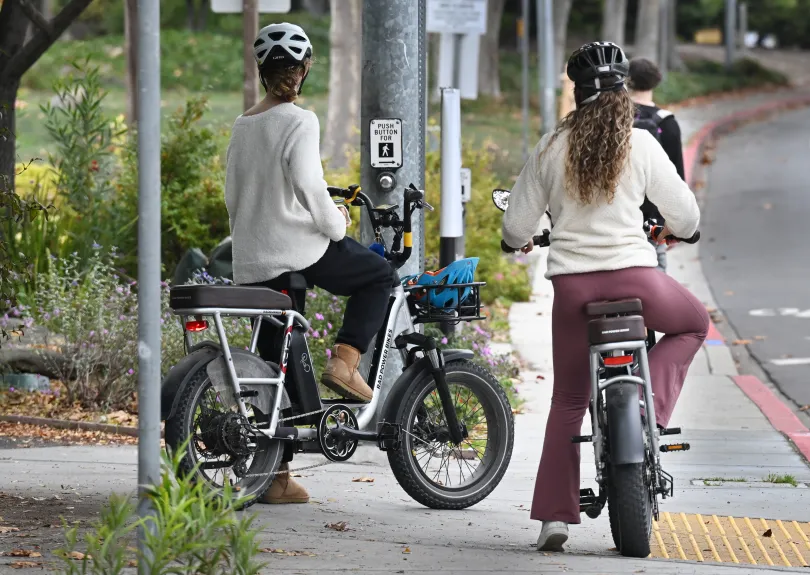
<point>466,309</point>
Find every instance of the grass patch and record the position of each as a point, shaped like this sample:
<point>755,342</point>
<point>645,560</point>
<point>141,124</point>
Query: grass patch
<point>781,479</point>
<point>710,480</point>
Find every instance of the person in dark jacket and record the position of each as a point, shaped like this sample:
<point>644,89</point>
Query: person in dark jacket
<point>644,78</point>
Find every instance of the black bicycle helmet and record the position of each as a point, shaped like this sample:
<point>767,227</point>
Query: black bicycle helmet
<point>599,67</point>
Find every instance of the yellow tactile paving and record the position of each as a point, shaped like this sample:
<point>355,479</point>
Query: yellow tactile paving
<point>741,540</point>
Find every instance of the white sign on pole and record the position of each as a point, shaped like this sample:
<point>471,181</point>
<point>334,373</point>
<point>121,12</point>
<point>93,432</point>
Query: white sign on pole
<point>457,16</point>
<point>385,141</point>
<point>265,6</point>
<point>466,185</point>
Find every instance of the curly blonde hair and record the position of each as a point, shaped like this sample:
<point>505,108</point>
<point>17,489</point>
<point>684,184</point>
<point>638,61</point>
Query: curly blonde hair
<point>598,145</point>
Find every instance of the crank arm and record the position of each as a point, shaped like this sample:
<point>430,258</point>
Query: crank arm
<point>342,433</point>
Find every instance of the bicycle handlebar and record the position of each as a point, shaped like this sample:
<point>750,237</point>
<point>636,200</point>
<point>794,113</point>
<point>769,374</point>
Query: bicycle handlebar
<point>541,241</point>
<point>654,231</point>
<point>385,217</point>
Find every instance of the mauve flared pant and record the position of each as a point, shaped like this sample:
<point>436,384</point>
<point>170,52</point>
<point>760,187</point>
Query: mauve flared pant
<point>669,308</point>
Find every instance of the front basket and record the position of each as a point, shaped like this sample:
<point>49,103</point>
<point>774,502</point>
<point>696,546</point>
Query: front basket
<point>467,310</point>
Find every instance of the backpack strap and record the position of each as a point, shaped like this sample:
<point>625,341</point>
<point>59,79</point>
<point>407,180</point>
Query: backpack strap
<point>662,115</point>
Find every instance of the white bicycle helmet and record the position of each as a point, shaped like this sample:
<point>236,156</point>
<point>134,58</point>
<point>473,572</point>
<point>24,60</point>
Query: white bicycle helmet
<point>280,45</point>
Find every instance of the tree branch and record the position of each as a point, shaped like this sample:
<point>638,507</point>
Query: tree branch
<point>22,61</point>
<point>36,17</point>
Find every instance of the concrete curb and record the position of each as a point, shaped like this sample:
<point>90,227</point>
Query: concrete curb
<point>778,412</point>
<point>75,425</point>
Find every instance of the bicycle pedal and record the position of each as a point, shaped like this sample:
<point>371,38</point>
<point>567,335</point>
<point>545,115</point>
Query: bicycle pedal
<point>670,431</point>
<point>582,439</point>
<point>674,447</point>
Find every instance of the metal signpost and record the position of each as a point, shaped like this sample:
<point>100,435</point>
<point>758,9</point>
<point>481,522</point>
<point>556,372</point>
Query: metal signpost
<point>731,32</point>
<point>545,53</point>
<point>461,23</point>
<point>523,34</point>
<point>148,256</point>
<point>393,112</point>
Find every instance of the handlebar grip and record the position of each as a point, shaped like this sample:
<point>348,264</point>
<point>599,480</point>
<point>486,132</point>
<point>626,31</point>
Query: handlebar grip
<point>507,249</point>
<point>541,241</point>
<point>345,193</point>
<point>693,240</point>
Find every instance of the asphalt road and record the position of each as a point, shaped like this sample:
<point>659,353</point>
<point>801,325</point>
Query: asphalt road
<point>755,254</point>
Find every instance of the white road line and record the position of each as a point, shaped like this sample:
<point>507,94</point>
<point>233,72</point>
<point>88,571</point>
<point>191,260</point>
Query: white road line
<point>791,361</point>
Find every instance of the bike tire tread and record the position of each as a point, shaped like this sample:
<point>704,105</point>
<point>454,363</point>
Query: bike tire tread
<point>629,510</point>
<point>402,470</point>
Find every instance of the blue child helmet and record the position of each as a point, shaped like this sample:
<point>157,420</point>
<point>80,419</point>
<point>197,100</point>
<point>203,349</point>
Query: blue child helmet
<point>458,272</point>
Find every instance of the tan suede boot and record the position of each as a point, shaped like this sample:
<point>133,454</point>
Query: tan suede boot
<point>341,375</point>
<point>284,489</point>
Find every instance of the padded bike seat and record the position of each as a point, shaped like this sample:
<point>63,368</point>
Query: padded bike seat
<point>227,297</point>
<point>632,305</point>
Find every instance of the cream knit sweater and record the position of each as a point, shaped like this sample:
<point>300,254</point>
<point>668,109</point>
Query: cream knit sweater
<point>281,215</point>
<point>599,236</point>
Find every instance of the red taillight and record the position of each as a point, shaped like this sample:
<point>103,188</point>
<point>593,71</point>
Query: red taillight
<point>197,325</point>
<point>619,360</point>
<point>284,292</point>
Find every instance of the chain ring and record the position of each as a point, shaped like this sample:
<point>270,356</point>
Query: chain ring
<point>337,415</point>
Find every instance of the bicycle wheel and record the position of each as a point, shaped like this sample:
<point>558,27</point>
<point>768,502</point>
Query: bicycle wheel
<point>629,509</point>
<point>428,466</point>
<point>218,449</point>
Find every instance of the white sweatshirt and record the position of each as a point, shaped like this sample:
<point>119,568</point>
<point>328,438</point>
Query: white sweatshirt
<point>599,236</point>
<point>281,215</point>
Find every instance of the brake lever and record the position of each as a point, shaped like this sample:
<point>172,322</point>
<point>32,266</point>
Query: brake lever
<point>424,204</point>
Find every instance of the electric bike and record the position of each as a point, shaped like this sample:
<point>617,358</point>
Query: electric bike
<point>446,424</point>
<point>625,436</point>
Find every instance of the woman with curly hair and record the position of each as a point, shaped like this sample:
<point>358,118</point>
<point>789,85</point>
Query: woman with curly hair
<point>592,175</point>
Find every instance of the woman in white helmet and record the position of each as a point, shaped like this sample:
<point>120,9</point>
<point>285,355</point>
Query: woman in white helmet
<point>283,220</point>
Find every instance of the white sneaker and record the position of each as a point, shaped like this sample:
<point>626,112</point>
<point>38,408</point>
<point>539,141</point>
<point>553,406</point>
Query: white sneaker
<point>552,536</point>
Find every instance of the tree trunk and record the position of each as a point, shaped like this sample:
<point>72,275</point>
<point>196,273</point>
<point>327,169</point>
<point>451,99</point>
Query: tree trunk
<point>562,10</point>
<point>202,15</point>
<point>131,53</point>
<point>16,58</point>
<point>489,70</point>
<point>317,7</point>
<point>614,21</point>
<point>345,53</point>
<point>647,29</point>
<point>190,15</point>
<point>674,56</point>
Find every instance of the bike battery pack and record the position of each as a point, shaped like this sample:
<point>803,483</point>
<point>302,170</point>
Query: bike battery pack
<point>302,372</point>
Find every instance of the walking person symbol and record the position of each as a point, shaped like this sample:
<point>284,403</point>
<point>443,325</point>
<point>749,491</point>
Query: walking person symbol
<point>386,149</point>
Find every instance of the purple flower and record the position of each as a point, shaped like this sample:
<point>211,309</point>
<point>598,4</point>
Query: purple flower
<point>319,316</point>
<point>499,276</point>
<point>315,334</point>
<point>122,317</point>
<point>15,312</point>
<point>325,333</point>
<point>334,298</point>
<point>92,333</point>
<point>11,389</point>
<point>29,321</point>
<point>119,289</point>
<point>56,312</point>
<point>74,283</point>
<point>164,284</point>
<point>104,332</point>
<point>312,294</point>
<point>475,346</point>
<point>96,246</point>
<point>329,325</point>
<point>328,354</point>
<point>444,341</point>
<point>130,371</point>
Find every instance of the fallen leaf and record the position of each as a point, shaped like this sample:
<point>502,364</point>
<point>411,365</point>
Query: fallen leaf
<point>7,529</point>
<point>24,564</point>
<point>741,342</point>
<point>339,526</point>
<point>541,377</point>
<point>804,408</point>
<point>406,550</point>
<point>363,480</point>
<point>760,337</point>
<point>729,292</point>
<point>22,553</point>
<point>768,533</point>
<point>132,563</point>
<point>78,555</point>
<point>767,206</point>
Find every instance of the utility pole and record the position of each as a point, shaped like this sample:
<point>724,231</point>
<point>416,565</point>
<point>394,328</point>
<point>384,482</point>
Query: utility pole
<point>523,35</point>
<point>394,88</point>
<point>131,49</point>
<point>743,25</point>
<point>731,32</point>
<point>148,258</point>
<point>545,53</point>
<point>250,29</point>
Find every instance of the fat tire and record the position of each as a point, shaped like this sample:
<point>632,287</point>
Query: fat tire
<point>487,389</point>
<point>178,428</point>
<point>629,510</point>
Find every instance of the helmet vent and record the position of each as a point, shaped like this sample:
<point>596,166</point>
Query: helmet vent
<point>261,54</point>
<point>298,38</point>
<point>276,36</point>
<point>258,42</point>
<point>295,49</point>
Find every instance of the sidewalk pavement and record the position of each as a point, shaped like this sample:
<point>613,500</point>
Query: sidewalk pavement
<point>389,533</point>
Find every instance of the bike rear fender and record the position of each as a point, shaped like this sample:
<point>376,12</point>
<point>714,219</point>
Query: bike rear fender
<point>203,356</point>
<point>410,378</point>
<point>624,424</point>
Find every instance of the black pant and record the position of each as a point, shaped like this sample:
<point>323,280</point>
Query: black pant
<point>351,270</point>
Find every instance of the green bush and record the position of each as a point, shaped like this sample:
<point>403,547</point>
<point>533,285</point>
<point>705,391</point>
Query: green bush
<point>193,212</point>
<point>194,530</point>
